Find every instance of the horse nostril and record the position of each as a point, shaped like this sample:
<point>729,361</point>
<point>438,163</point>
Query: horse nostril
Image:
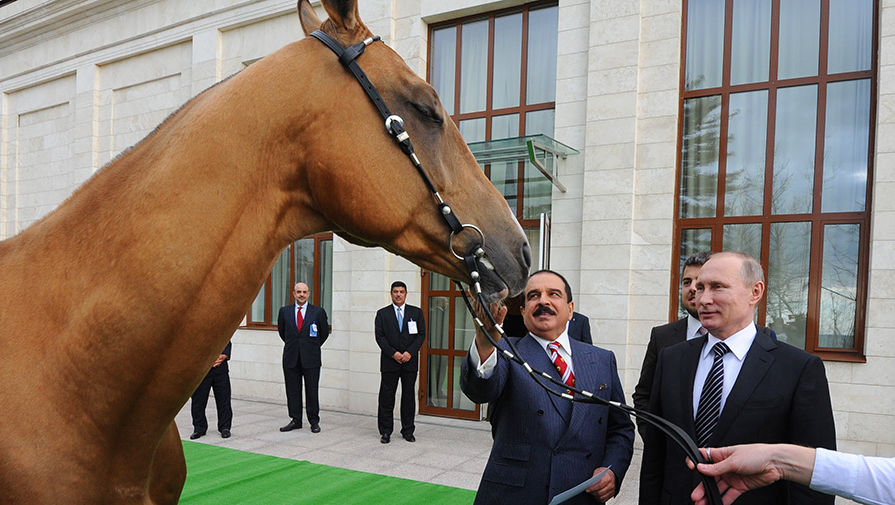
<point>526,255</point>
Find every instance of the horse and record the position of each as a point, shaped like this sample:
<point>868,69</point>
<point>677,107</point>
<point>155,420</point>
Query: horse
<point>114,304</point>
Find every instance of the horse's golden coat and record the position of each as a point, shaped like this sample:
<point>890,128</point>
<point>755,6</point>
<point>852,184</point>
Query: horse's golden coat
<point>112,306</point>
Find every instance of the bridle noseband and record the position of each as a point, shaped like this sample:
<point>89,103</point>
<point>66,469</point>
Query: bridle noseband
<point>394,125</point>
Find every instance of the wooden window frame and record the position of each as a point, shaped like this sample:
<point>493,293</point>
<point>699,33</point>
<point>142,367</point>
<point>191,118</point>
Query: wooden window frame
<point>816,217</point>
<point>271,324</point>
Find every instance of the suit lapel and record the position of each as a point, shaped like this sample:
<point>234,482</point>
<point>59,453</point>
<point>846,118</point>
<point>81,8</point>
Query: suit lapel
<point>756,364</point>
<point>535,355</point>
<point>587,377</point>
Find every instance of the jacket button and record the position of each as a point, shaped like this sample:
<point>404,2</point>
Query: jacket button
<point>540,412</point>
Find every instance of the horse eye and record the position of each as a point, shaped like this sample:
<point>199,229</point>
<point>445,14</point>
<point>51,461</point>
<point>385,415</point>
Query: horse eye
<point>428,113</point>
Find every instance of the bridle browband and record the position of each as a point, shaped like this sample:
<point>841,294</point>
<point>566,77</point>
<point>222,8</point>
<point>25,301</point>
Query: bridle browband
<point>394,125</point>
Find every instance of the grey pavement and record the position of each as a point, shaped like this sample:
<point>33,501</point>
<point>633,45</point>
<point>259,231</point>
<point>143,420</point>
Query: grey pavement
<point>451,452</point>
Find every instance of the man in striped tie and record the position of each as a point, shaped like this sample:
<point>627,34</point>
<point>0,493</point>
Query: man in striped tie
<point>735,385</point>
<point>543,443</point>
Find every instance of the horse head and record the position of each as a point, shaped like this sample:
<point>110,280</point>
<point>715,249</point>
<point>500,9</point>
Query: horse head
<point>390,205</point>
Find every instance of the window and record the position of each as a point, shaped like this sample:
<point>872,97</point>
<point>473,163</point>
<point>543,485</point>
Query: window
<point>777,111</point>
<point>496,76</point>
<point>307,260</point>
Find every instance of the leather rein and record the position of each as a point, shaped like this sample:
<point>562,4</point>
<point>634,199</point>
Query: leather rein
<point>394,125</point>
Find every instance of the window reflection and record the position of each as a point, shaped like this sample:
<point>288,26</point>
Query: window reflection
<point>839,288</point>
<point>751,44</point>
<point>794,144</point>
<point>787,290</point>
<point>799,38</point>
<point>507,61</point>
<point>705,44</point>
<point>699,156</point>
<point>851,35</point>
<point>437,381</point>
<point>442,65</point>
<point>692,241</point>
<point>744,237</point>
<point>473,66</point>
<point>846,142</point>
<point>464,327</point>
<point>540,84</point>
<point>460,401</point>
<point>439,318</point>
<point>746,141</point>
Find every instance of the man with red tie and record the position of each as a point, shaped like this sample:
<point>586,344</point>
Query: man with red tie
<point>304,328</point>
<point>543,444</point>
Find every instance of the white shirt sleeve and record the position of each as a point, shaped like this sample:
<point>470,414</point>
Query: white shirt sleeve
<point>862,479</point>
<point>486,369</point>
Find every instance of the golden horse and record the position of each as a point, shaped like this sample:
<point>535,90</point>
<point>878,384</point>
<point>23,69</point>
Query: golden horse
<point>113,305</point>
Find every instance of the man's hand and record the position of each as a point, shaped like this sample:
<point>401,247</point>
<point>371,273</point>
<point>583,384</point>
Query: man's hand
<point>220,360</point>
<point>406,357</point>
<point>399,357</point>
<point>498,310</point>
<point>604,489</point>
<point>739,468</point>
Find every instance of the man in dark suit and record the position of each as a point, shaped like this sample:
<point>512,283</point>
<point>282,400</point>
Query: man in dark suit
<point>734,386</point>
<point>304,328</point>
<point>544,444</point>
<point>579,328</point>
<point>686,328</point>
<point>218,378</point>
<point>400,332</point>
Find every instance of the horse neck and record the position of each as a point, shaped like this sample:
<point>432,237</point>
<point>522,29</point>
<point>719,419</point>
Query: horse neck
<point>186,224</point>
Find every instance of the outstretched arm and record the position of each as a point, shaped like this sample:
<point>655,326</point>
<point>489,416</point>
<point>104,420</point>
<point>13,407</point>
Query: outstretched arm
<point>740,468</point>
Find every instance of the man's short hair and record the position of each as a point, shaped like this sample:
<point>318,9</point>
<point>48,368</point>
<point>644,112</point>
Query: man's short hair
<point>697,259</point>
<point>564,281</point>
<point>751,271</point>
<point>398,284</point>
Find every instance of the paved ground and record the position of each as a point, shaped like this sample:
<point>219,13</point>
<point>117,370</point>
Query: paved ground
<point>447,451</point>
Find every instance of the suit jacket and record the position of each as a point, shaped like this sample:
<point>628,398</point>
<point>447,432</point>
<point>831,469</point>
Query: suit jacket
<point>781,395</point>
<point>579,328</point>
<point>392,339</point>
<point>661,337</point>
<point>300,345</point>
<point>543,444</point>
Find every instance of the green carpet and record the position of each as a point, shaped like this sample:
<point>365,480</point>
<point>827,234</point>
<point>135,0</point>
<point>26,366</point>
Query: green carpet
<point>221,476</point>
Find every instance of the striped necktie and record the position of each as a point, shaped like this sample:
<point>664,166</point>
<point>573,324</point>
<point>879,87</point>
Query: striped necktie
<point>710,399</point>
<point>562,367</point>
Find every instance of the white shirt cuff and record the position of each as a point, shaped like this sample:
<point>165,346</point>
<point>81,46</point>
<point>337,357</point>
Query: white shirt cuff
<point>486,369</point>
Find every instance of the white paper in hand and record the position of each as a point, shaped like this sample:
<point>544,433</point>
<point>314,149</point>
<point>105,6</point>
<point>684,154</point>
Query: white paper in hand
<point>569,493</point>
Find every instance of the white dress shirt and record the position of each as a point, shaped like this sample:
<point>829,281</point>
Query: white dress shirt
<point>693,326</point>
<point>739,344</point>
<point>304,310</point>
<point>858,478</point>
<point>484,370</point>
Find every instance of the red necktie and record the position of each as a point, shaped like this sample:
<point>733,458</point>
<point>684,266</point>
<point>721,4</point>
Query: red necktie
<point>561,366</point>
<point>298,319</point>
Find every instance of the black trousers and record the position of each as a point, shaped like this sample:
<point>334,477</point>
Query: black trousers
<point>388,385</point>
<point>218,379</point>
<point>294,376</point>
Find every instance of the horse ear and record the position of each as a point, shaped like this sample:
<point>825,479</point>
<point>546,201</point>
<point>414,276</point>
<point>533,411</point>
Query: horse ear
<point>344,14</point>
<point>308,17</point>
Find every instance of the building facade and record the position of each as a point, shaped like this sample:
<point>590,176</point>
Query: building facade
<point>759,126</point>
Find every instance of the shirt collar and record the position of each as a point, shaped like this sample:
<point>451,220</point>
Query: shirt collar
<point>739,343</point>
<point>563,341</point>
<point>693,326</point>
<point>396,307</point>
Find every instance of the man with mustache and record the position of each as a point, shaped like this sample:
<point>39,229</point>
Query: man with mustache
<point>545,444</point>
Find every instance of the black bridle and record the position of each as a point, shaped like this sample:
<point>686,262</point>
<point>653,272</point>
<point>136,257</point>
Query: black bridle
<point>394,125</point>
